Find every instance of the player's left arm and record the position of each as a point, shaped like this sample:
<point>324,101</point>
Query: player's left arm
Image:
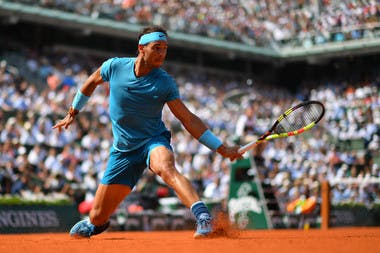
<point>198,129</point>
<point>91,83</point>
<point>80,99</point>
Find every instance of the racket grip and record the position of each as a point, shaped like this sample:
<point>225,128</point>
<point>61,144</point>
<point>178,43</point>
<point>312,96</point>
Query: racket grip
<point>246,147</point>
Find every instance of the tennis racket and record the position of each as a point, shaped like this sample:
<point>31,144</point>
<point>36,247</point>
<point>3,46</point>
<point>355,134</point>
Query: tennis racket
<point>294,121</point>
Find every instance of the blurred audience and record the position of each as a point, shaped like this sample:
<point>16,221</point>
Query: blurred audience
<point>263,23</point>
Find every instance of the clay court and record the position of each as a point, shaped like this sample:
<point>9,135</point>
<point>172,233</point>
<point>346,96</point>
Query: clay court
<point>358,240</point>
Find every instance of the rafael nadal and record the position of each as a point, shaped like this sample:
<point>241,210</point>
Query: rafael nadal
<point>139,89</point>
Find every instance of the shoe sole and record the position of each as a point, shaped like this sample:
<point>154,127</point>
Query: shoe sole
<point>200,236</point>
<point>76,236</point>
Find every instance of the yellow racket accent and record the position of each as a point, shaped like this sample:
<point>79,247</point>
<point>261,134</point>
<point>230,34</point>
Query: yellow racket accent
<point>308,127</point>
<point>282,135</point>
<point>286,113</point>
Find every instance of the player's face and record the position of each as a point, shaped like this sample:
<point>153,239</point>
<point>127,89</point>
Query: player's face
<point>155,53</point>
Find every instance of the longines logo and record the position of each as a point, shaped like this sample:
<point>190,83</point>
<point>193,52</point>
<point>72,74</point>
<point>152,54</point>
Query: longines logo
<point>25,219</point>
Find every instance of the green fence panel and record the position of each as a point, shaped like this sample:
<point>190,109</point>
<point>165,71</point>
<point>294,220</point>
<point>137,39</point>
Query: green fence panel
<point>245,206</point>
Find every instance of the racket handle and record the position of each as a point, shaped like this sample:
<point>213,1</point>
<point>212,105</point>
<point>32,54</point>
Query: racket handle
<point>247,147</point>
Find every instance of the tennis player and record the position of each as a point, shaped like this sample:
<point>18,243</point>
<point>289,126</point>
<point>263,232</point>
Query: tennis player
<point>139,89</point>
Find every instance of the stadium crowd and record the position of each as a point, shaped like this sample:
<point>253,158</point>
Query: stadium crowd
<point>264,23</point>
<point>37,162</point>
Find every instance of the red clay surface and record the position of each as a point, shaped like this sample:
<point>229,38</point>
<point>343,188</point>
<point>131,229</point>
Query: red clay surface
<point>358,240</point>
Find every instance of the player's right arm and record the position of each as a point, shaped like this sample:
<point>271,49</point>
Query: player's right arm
<point>197,128</point>
<point>80,99</point>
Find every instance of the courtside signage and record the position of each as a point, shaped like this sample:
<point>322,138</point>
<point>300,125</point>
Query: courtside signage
<point>36,218</point>
<point>28,219</point>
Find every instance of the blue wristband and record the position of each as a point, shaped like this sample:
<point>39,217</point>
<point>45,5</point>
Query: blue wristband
<point>79,100</point>
<point>210,140</point>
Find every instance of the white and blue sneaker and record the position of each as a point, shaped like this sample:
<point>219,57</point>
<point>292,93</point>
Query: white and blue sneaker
<point>204,226</point>
<point>84,229</point>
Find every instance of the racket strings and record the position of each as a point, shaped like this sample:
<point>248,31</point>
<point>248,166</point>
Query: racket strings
<point>299,118</point>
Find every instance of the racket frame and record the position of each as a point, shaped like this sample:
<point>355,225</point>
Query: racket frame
<point>269,136</point>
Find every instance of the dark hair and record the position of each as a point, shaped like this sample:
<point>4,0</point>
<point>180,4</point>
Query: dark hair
<point>150,29</point>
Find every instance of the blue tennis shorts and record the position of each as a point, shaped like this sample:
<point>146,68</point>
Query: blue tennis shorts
<point>127,167</point>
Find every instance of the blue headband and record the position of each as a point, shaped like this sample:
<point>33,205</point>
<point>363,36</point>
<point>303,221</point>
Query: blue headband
<point>149,37</point>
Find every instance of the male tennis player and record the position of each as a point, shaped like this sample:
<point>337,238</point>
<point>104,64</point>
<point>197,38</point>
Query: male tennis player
<point>139,89</point>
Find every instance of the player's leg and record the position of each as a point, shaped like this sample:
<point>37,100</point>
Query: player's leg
<point>107,199</point>
<point>119,178</point>
<point>161,161</point>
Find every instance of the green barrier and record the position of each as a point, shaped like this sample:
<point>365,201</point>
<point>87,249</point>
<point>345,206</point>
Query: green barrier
<point>245,204</point>
<point>37,218</point>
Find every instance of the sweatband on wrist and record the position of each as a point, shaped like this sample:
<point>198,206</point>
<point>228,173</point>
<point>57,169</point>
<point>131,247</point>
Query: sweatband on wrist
<point>149,37</point>
<point>79,100</point>
<point>210,140</point>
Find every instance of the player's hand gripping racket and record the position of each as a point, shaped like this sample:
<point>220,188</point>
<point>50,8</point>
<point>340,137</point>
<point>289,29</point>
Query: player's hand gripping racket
<point>295,120</point>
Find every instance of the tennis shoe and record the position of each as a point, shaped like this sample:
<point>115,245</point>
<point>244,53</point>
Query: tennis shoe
<point>204,226</point>
<point>84,229</point>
